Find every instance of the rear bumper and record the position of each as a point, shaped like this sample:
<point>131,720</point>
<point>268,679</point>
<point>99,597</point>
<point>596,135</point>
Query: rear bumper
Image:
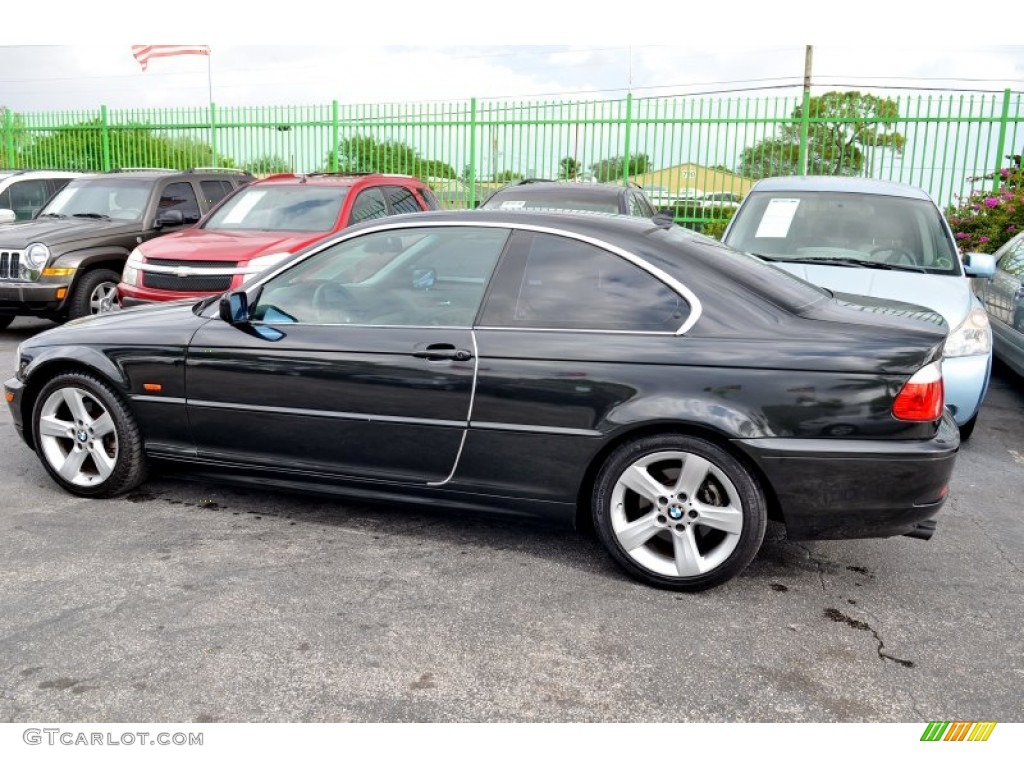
<point>852,489</point>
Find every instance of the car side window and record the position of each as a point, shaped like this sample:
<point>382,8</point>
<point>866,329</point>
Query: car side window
<point>1012,262</point>
<point>422,276</point>
<point>430,199</point>
<point>554,282</point>
<point>214,191</point>
<point>401,200</point>
<point>368,205</point>
<point>26,197</point>
<point>179,196</point>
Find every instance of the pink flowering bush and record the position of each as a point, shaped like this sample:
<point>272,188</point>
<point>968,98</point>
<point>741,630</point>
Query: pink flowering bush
<point>984,220</point>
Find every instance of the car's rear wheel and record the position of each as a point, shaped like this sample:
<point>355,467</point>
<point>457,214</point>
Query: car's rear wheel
<point>679,512</point>
<point>86,437</point>
<point>95,294</point>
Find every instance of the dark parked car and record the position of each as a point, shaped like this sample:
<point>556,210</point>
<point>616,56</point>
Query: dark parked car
<point>539,194</point>
<point>66,262</point>
<point>570,367</point>
<point>1003,297</point>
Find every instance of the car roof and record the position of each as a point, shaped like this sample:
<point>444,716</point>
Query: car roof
<point>336,179</point>
<point>593,189</point>
<point>839,184</point>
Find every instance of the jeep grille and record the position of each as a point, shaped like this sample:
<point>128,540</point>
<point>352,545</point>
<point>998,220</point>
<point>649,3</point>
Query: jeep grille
<point>10,265</point>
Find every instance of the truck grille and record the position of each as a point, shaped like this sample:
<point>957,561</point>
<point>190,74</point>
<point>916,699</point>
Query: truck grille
<point>10,265</point>
<point>168,282</point>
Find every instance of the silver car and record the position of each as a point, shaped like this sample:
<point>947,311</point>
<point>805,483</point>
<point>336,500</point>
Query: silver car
<point>1003,297</point>
<point>880,239</point>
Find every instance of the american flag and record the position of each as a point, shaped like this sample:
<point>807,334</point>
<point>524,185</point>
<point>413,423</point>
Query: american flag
<point>143,53</point>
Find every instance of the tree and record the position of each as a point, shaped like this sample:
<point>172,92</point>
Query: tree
<point>20,139</point>
<point>569,168</point>
<point>507,176</point>
<point>80,147</point>
<point>843,126</point>
<point>616,168</point>
<point>365,154</point>
<point>265,165</point>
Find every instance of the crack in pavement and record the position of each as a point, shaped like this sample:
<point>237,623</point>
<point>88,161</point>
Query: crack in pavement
<point>817,563</point>
<point>838,616</point>
<point>995,544</point>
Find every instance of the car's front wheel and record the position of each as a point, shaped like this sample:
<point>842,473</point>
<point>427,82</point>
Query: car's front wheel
<point>86,437</point>
<point>95,294</point>
<point>679,512</point>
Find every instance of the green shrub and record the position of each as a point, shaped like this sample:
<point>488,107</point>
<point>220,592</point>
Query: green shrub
<point>985,220</point>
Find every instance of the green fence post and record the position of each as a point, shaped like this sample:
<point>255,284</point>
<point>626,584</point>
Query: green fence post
<point>472,152</point>
<point>9,132</point>
<point>213,132</point>
<point>105,137</point>
<point>805,123</point>
<point>629,137</point>
<point>1001,144</point>
<point>335,138</point>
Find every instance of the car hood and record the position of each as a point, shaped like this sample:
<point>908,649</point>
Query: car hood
<point>224,245</point>
<point>56,231</point>
<point>173,323</point>
<point>949,295</point>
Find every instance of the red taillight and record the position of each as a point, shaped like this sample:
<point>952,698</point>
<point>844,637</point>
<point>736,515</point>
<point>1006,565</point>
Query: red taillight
<point>921,398</point>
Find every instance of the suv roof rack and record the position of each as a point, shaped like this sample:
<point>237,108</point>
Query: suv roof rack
<point>144,170</point>
<point>217,168</point>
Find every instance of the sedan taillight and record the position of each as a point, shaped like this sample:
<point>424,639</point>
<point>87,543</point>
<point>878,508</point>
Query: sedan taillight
<point>921,398</point>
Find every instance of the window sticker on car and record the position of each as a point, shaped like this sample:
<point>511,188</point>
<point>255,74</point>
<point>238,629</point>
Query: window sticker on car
<point>246,204</point>
<point>514,204</point>
<point>777,218</point>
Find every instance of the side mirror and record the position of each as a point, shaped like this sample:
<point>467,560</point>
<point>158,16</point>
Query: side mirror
<point>424,277</point>
<point>169,219</point>
<point>234,308</point>
<point>7,216</point>
<point>979,264</point>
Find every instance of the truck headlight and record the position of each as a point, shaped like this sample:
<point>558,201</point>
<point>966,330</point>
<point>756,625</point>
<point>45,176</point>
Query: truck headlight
<point>972,337</point>
<point>36,256</point>
<point>130,275</point>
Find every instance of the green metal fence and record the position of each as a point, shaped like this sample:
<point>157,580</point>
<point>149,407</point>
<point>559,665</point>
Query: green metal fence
<point>679,149</point>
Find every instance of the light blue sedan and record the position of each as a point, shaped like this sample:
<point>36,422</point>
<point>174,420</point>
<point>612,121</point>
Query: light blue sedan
<point>880,239</point>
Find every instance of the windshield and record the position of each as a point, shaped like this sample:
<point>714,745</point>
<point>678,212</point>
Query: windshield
<point>118,199</point>
<point>567,199</point>
<point>281,208</point>
<point>850,229</point>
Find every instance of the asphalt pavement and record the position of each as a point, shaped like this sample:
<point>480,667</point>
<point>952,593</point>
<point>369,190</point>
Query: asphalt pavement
<point>187,601</point>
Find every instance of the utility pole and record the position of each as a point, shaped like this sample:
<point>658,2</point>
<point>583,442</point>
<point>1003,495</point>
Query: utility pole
<point>805,117</point>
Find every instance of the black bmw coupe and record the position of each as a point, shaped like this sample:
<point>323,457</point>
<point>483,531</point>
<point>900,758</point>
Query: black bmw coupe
<point>610,369</point>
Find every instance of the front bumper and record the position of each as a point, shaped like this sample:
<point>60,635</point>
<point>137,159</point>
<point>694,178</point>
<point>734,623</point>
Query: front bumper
<point>22,298</point>
<point>13,391</point>
<point>966,382</point>
<point>134,296</point>
<point>852,489</point>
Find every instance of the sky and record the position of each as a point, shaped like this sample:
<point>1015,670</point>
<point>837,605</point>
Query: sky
<point>305,53</point>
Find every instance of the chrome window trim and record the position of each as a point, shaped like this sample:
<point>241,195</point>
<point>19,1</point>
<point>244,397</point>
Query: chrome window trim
<point>696,308</point>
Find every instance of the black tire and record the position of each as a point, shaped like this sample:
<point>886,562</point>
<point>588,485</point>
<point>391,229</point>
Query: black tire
<point>621,513</point>
<point>5,320</point>
<point>83,301</point>
<point>967,428</point>
<point>122,444</point>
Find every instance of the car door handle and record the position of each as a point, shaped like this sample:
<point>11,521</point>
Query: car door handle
<point>442,352</point>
